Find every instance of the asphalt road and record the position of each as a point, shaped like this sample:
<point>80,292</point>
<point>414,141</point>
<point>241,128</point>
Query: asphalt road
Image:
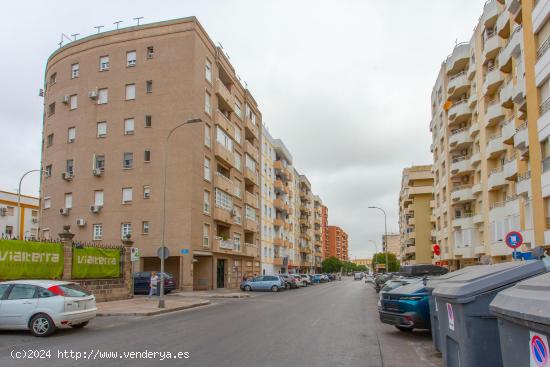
<point>334,324</point>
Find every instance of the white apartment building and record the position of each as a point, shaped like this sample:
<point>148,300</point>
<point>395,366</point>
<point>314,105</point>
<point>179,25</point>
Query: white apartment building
<point>28,227</point>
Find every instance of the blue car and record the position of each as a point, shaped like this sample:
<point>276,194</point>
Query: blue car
<point>273,283</point>
<point>406,307</point>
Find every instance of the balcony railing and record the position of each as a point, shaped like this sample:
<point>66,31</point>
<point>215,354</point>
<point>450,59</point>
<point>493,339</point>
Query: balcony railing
<point>543,48</point>
<point>546,164</point>
<point>545,106</point>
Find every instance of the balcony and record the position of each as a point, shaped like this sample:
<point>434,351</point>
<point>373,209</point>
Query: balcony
<point>495,146</point>
<point>224,154</point>
<point>471,70</point>
<point>528,236</point>
<point>503,24</point>
<point>477,188</point>
<point>278,241</point>
<point>496,179</point>
<point>224,123</point>
<point>459,58</point>
<point>411,221</point>
<point>506,94</point>
<point>461,165</point>
<point>251,127</point>
<point>472,99</point>
<point>459,111</point>
<point>251,250</point>
<point>519,87</point>
<point>494,113</point>
<point>508,131</point>
<point>465,220</point>
<point>513,6</point>
<point>432,203</point>
<point>460,138</point>
<point>511,206</point>
<point>496,211</point>
<point>521,137</point>
<point>464,252</point>
<point>278,222</point>
<point>462,194</point>
<point>251,199</point>
<point>492,47</point>
<point>279,186</point>
<point>545,178</point>
<point>224,183</point>
<point>477,219</point>
<point>539,16</point>
<point>222,245</point>
<point>278,204</point>
<point>226,99</point>
<point>251,176</point>
<point>523,185</point>
<point>511,168</point>
<point>250,225</point>
<point>278,261</point>
<point>222,215</point>
<point>542,66</point>
<point>278,165</point>
<point>490,12</point>
<point>475,159</point>
<point>479,250</point>
<point>458,84</point>
<point>251,150</point>
<point>493,78</point>
<point>543,123</point>
<point>511,49</point>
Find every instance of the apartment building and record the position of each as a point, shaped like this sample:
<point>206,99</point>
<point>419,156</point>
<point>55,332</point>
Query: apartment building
<point>338,243</point>
<point>28,221</point>
<point>490,135</point>
<point>393,243</point>
<point>305,245</point>
<point>324,231</point>
<point>317,233</point>
<point>112,101</point>
<point>277,205</point>
<point>415,215</point>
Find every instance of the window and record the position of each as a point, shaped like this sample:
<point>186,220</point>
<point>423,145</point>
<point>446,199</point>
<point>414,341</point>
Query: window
<point>145,227</point>
<point>98,197</point>
<point>237,134</point>
<point>126,195</point>
<point>250,213</point>
<point>99,162</point>
<point>128,160</point>
<point>68,200</point>
<point>49,140</point>
<point>224,139</point>
<point>238,217</point>
<point>238,161</point>
<point>75,71</point>
<point>9,231</point>
<point>149,86</point>
<point>147,156</point>
<point>104,63</point>
<point>71,132</point>
<point>10,211</point>
<point>47,202</point>
<point>237,241</point>
<point>206,235</point>
<point>129,126</point>
<point>48,170</point>
<point>208,70</point>
<point>146,192</point>
<point>224,200</point>
<point>207,136</point>
<point>207,172</point>
<point>207,103</point>
<point>125,229</point>
<point>101,129</point>
<point>148,121</point>
<point>249,162</point>
<point>250,114</point>
<point>69,166</point>
<point>238,110</point>
<point>237,188</point>
<point>53,78</point>
<point>150,52</point>
<point>102,96</point>
<point>131,58</point>
<point>73,102</point>
<point>97,231</point>
<point>51,109</point>
<point>130,92</point>
<point>206,208</point>
<point>22,291</point>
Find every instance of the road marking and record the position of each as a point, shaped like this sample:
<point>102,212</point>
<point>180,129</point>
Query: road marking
<point>315,322</point>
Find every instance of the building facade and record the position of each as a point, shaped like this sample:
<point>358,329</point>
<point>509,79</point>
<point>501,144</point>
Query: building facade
<point>28,221</point>
<point>415,215</point>
<point>338,243</point>
<point>364,262</point>
<point>317,233</point>
<point>111,101</point>
<point>490,136</point>
<point>392,243</point>
<point>324,231</point>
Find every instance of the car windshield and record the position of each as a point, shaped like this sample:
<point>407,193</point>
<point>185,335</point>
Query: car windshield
<point>73,290</point>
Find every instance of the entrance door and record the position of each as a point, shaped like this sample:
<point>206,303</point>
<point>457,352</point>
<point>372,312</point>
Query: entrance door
<point>220,274</point>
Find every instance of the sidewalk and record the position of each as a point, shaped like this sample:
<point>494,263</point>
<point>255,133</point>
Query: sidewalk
<point>141,306</point>
<point>218,293</point>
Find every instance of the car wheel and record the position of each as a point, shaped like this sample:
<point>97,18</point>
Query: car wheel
<point>274,288</point>
<point>41,325</point>
<point>247,288</point>
<point>405,329</point>
<point>80,326</point>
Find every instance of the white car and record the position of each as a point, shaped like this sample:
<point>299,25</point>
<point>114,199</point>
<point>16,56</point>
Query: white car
<point>42,306</point>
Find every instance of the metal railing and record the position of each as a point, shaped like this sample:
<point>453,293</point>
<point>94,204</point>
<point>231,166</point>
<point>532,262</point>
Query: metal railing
<point>546,164</point>
<point>543,48</point>
<point>524,176</point>
<point>545,106</point>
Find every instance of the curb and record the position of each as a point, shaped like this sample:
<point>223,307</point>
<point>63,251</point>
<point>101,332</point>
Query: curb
<point>157,312</point>
<point>216,296</point>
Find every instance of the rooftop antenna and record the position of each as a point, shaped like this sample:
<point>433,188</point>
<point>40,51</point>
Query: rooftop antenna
<point>220,44</point>
<point>74,36</point>
<point>63,36</point>
<point>138,19</point>
<point>117,23</point>
<point>98,27</point>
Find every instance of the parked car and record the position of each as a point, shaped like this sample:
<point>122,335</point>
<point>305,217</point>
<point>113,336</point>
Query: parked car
<point>406,307</point>
<point>299,280</point>
<point>42,306</point>
<point>358,276</point>
<point>369,279</point>
<point>324,278</point>
<point>272,283</point>
<point>316,278</point>
<point>306,278</point>
<point>395,283</point>
<point>290,281</point>
<point>331,277</point>
<point>381,279</point>
<point>420,270</point>
<point>142,281</point>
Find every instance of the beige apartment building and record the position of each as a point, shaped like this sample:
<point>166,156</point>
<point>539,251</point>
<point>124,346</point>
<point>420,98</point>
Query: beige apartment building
<point>415,215</point>
<point>304,248</point>
<point>490,135</point>
<point>393,243</point>
<point>111,101</point>
<point>317,232</point>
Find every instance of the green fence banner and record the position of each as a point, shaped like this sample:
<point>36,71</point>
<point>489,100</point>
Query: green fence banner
<point>30,260</point>
<point>93,262</point>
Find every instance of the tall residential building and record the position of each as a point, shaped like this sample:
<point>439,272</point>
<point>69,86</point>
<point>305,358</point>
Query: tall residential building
<point>277,205</point>
<point>111,102</point>
<point>317,233</point>
<point>490,135</point>
<point>306,224</point>
<point>324,231</point>
<point>338,243</point>
<point>415,215</point>
<point>28,221</point>
<point>393,243</point>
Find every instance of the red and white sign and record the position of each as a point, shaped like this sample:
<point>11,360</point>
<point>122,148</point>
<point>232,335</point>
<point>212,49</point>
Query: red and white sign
<point>538,350</point>
<point>451,316</point>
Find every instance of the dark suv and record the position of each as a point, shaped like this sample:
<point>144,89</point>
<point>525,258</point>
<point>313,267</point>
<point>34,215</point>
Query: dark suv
<point>420,270</point>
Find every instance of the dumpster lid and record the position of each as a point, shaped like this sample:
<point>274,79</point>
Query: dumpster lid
<point>489,277</point>
<point>528,300</point>
<point>433,282</point>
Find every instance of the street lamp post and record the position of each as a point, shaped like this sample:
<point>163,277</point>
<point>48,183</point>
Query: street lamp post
<point>19,200</point>
<point>385,235</point>
<point>163,217</point>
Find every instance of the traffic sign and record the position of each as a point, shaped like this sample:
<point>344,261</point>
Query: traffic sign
<point>514,239</point>
<point>134,254</point>
<point>184,251</point>
<point>160,252</point>
<point>538,346</point>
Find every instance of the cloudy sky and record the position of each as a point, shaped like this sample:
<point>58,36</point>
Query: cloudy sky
<point>345,83</point>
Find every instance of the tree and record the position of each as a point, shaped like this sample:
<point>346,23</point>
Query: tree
<point>331,265</point>
<point>361,268</point>
<point>380,258</point>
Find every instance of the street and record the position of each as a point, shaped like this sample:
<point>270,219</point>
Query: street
<point>333,324</point>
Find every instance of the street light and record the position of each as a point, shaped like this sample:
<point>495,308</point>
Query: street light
<point>19,199</point>
<point>163,218</point>
<point>385,235</point>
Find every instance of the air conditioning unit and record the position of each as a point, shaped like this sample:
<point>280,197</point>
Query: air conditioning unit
<point>64,211</point>
<point>65,99</point>
<point>92,94</point>
<point>35,220</point>
<point>67,176</point>
<point>95,208</point>
<point>80,222</point>
<point>233,212</point>
<point>97,172</point>
<point>3,212</point>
